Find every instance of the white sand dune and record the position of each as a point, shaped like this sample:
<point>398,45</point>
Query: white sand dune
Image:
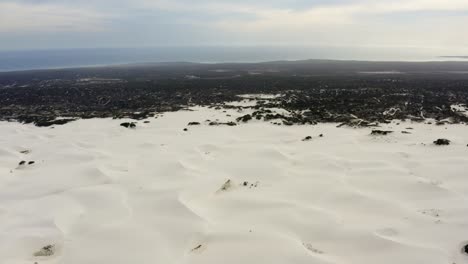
<point>101,193</point>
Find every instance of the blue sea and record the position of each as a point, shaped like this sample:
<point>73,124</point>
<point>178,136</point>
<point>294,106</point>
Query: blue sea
<point>66,58</point>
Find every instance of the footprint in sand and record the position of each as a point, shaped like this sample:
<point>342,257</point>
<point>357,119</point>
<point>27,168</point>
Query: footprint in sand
<point>226,186</point>
<point>250,185</point>
<point>312,249</point>
<point>45,251</point>
<point>198,249</point>
<point>23,164</point>
<point>431,212</point>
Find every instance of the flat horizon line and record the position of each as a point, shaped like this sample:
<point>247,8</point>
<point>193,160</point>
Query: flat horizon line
<point>155,63</point>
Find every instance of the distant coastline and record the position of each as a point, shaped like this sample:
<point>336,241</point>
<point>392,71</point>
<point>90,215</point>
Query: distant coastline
<point>455,57</point>
<point>21,60</point>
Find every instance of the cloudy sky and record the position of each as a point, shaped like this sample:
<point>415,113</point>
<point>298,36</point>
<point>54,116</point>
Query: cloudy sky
<point>42,24</point>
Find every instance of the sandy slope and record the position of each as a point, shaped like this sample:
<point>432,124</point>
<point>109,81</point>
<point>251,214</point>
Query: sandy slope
<point>106,194</point>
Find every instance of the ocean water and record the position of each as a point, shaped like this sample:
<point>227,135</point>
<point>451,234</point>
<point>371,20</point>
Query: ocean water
<point>65,58</point>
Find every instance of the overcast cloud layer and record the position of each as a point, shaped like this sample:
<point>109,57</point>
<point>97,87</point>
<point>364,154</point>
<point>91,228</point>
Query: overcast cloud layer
<point>33,24</point>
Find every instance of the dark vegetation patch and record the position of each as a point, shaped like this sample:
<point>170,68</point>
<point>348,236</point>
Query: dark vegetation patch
<point>45,251</point>
<point>381,132</point>
<point>442,142</point>
<point>128,125</point>
<point>312,92</point>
